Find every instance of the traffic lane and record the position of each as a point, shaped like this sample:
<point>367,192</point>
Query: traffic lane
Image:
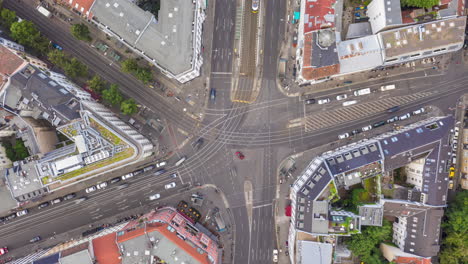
<point>59,32</point>
<point>274,30</point>
<point>262,239</point>
<point>99,205</point>
<point>223,36</point>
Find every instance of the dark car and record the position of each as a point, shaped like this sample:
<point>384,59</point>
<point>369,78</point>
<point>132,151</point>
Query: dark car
<point>378,124</point>
<point>310,101</point>
<point>69,196</point>
<point>197,144</point>
<point>43,205</point>
<point>35,239</point>
<point>213,94</point>
<point>355,132</point>
<point>393,109</point>
<point>159,172</point>
<point>115,180</point>
<point>10,217</point>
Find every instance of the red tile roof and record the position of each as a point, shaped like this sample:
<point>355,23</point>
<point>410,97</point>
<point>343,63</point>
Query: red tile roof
<point>106,250</point>
<point>319,14</point>
<point>461,8</point>
<point>412,260</point>
<point>406,16</point>
<point>10,62</point>
<point>81,6</point>
<point>322,72</point>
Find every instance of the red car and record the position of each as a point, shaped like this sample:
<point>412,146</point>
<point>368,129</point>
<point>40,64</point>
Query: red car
<point>240,155</point>
<point>3,251</point>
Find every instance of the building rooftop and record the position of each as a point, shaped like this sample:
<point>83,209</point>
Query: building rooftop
<point>384,13</point>
<point>318,14</point>
<point>320,57</point>
<point>359,54</point>
<point>314,252</point>
<point>358,30</point>
<point>24,182</point>
<point>423,226</point>
<point>320,217</point>
<point>416,39</point>
<point>82,6</point>
<point>349,159</point>
<point>81,257</point>
<point>10,64</point>
<point>106,250</point>
<point>371,214</point>
<point>168,40</point>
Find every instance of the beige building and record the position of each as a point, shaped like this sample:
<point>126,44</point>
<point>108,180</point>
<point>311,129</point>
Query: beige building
<point>414,173</point>
<point>4,161</point>
<point>464,161</point>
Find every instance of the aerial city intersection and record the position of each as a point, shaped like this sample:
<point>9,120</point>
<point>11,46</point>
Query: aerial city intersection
<point>233,131</point>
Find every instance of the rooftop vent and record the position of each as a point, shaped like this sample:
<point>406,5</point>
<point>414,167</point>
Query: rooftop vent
<point>107,4</point>
<point>116,5</point>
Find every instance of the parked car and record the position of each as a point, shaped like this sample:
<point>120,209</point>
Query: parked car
<point>355,132</point>
<point>3,251</point>
<point>240,155</point>
<point>405,116</point>
<point>161,164</point>
<point>22,212</point>
<point>450,185</point>
<point>91,189</point>
<point>10,217</point>
<point>362,92</point>
<point>173,175</point>
<point>170,185</point>
<point>127,176</point>
<point>154,196</point>
<point>275,255</point>
<point>115,180</point>
<point>101,185</point>
<point>341,97</point>
<point>309,101</point>
<point>43,205</point>
<point>343,136</point>
<point>378,124</point>
<point>56,201</point>
<point>324,101</point>
<point>393,119</point>
<point>419,111</point>
<point>159,172</point>
<point>347,103</point>
<point>35,239</point>
<point>367,128</point>
<point>197,144</point>
<point>393,109</point>
<point>69,196</point>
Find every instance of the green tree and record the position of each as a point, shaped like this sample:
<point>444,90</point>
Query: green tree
<point>144,75</point>
<point>455,228</point>
<point>96,84</point>
<point>128,107</point>
<point>25,33</point>
<point>130,66</point>
<point>81,32</point>
<point>21,152</point>
<point>8,17</point>
<point>57,57</point>
<point>113,95</point>
<point>419,3</point>
<point>74,68</point>
<point>365,244</point>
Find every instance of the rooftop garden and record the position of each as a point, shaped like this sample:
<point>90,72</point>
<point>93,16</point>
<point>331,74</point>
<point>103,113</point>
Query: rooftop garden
<point>106,133</point>
<point>95,166</point>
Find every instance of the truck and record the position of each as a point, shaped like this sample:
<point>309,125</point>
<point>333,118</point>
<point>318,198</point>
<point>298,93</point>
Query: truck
<point>44,11</point>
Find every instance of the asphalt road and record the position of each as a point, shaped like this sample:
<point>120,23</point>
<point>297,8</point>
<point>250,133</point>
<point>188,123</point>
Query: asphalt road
<point>258,130</point>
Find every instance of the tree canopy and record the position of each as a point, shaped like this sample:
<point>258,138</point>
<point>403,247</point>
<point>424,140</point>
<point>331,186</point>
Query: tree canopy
<point>113,95</point>
<point>455,228</point>
<point>57,57</point>
<point>128,107</point>
<point>96,84</point>
<point>74,68</point>
<point>25,32</point>
<point>365,245</point>
<point>17,151</point>
<point>81,32</point>
<point>419,3</point>
<point>8,17</point>
<point>143,74</point>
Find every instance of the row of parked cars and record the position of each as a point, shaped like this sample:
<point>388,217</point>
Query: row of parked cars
<point>381,123</point>
<point>340,97</point>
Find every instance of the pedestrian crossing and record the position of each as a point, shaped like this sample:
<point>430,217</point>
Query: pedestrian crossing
<point>29,258</point>
<point>331,118</point>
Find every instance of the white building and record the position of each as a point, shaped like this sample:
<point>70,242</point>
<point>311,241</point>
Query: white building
<point>414,173</point>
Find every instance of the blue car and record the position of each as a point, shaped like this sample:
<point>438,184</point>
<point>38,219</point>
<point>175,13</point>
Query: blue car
<point>357,14</point>
<point>57,46</point>
<point>212,94</point>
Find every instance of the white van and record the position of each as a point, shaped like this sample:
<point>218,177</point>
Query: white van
<point>387,87</point>
<point>349,103</point>
<point>362,92</point>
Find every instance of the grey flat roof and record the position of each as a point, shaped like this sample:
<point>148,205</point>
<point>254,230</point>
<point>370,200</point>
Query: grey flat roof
<point>371,215</point>
<point>320,217</point>
<point>23,181</point>
<point>359,54</point>
<point>323,56</point>
<point>392,12</point>
<point>451,10</point>
<point>358,30</point>
<point>314,252</point>
<point>167,40</point>
<point>81,257</point>
<point>418,38</point>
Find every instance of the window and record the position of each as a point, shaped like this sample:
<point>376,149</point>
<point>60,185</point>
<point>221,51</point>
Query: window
<point>412,243</point>
<point>411,250</point>
<point>413,230</point>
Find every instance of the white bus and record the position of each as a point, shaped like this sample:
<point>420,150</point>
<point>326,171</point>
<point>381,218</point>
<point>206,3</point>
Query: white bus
<point>180,161</point>
<point>387,87</point>
<point>44,11</point>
